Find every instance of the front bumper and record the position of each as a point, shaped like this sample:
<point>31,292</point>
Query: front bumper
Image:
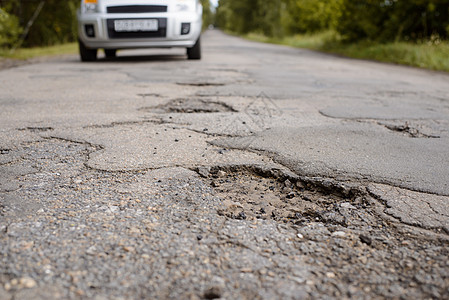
<point>169,34</point>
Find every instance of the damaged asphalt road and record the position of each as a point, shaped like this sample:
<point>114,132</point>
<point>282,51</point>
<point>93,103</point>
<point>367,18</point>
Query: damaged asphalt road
<point>260,172</point>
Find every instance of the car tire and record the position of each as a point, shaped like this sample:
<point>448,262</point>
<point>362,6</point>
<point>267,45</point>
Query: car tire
<point>87,54</point>
<point>110,53</point>
<point>195,51</point>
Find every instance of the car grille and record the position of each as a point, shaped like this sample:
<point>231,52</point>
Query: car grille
<point>135,9</point>
<point>162,31</point>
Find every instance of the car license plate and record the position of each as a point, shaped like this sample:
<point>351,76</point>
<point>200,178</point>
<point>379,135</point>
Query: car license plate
<point>136,25</point>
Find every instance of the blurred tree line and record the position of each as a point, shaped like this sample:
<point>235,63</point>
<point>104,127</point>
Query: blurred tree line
<point>55,23</point>
<point>353,20</point>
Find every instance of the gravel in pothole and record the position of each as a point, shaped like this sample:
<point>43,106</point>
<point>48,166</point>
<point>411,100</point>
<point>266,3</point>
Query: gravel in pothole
<point>250,196</point>
<point>190,106</point>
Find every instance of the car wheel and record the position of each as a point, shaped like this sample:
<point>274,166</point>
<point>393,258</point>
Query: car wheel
<point>195,51</point>
<point>110,53</point>
<point>87,54</point>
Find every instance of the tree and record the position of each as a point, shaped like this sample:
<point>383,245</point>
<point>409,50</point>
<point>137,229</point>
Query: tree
<point>387,20</point>
<point>380,20</point>
<point>55,24</point>
<point>9,29</point>
<point>208,17</point>
<point>307,16</point>
<point>244,16</point>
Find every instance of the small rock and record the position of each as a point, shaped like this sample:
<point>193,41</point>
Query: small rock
<point>221,173</point>
<point>199,237</point>
<point>215,184</point>
<point>27,282</point>
<point>128,249</point>
<point>241,216</point>
<point>330,275</point>
<point>214,292</point>
<point>405,243</point>
<point>204,171</point>
<point>339,234</point>
<point>347,205</point>
<point>298,280</point>
<point>8,286</point>
<point>300,185</point>
<point>291,195</point>
<point>300,236</point>
<point>91,250</point>
<point>366,239</point>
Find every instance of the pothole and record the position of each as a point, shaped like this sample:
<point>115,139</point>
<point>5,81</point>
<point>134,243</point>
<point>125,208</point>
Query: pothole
<point>150,95</point>
<point>251,193</point>
<point>190,106</point>
<point>124,123</point>
<point>201,84</point>
<point>408,130</point>
<point>37,129</point>
<point>4,151</point>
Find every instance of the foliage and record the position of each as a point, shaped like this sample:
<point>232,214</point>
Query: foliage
<point>251,16</point>
<point>9,29</point>
<point>388,20</point>
<point>55,24</point>
<point>354,20</point>
<point>308,16</point>
<point>208,17</point>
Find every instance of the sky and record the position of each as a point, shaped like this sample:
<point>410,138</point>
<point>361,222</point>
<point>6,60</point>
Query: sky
<point>214,2</point>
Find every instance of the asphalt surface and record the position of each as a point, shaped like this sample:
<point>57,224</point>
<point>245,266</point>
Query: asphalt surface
<point>259,172</point>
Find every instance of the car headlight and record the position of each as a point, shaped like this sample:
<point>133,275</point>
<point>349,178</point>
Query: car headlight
<point>90,6</point>
<point>185,5</point>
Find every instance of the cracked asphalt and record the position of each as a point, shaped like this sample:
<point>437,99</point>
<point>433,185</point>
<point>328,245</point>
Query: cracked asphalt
<point>259,172</point>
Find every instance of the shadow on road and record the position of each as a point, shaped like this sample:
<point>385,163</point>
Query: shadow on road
<point>143,58</point>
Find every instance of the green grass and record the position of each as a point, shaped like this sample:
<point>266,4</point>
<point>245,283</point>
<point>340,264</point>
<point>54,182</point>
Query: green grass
<point>428,55</point>
<point>28,53</point>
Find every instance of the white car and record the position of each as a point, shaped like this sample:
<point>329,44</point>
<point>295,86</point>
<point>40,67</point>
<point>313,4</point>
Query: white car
<point>130,24</point>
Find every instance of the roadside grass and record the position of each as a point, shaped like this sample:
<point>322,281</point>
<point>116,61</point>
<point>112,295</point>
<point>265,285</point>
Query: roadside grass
<point>28,53</point>
<point>433,55</point>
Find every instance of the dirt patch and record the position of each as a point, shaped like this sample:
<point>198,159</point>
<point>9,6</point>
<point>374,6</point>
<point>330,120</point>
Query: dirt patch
<point>190,106</point>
